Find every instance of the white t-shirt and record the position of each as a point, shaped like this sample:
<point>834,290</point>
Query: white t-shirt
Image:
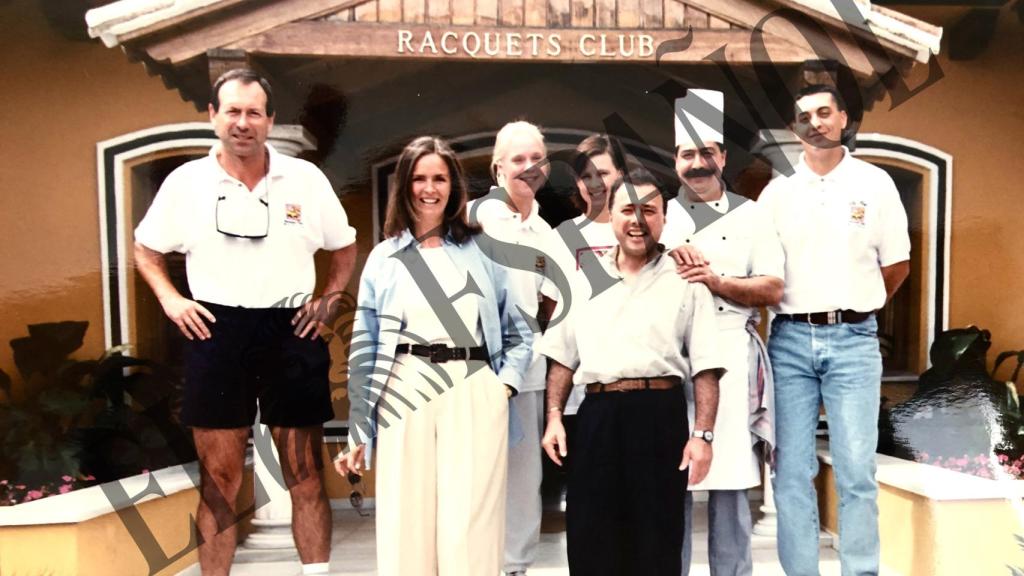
<point>572,254</point>
<point>837,231</point>
<point>420,322</point>
<point>304,216</point>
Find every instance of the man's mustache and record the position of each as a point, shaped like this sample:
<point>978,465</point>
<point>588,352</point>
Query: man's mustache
<point>698,172</point>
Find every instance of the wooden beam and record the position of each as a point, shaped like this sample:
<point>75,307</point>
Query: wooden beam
<point>559,13</point>
<point>583,13</point>
<point>463,12</point>
<point>389,10</point>
<point>367,11</point>
<point>486,12</point>
<point>511,12</point>
<point>177,20</point>
<point>849,28</point>
<point>832,41</point>
<point>653,15</point>
<point>414,11</point>
<point>220,60</point>
<point>694,17</point>
<point>605,14</point>
<point>465,43</point>
<point>220,32</point>
<point>536,13</point>
<point>675,14</point>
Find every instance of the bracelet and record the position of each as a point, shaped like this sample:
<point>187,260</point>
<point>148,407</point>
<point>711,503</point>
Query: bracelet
<point>554,409</point>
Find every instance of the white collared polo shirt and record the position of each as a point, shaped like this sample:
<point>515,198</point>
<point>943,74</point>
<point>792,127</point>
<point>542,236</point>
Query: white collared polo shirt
<point>304,216</point>
<point>500,222</point>
<point>837,230</point>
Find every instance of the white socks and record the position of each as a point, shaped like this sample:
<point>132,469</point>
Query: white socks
<point>320,568</point>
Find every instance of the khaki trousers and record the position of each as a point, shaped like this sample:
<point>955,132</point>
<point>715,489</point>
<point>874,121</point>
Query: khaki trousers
<point>441,470</point>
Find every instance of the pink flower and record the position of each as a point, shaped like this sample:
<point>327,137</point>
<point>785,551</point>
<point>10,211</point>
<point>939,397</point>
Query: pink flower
<point>145,471</point>
<point>20,486</point>
<point>66,478</point>
<point>924,455</point>
<point>1003,457</point>
<point>65,488</point>
<point>33,495</point>
<point>90,477</point>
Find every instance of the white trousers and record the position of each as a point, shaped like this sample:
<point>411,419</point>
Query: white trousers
<point>441,470</point>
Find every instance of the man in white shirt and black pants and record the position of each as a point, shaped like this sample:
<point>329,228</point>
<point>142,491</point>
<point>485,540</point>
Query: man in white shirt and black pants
<point>844,230</point>
<point>249,220</point>
<point>632,346</point>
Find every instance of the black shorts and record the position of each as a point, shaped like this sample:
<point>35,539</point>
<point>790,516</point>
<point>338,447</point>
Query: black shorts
<point>253,355</point>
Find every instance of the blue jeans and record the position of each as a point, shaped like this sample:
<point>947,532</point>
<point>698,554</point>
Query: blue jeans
<point>840,364</point>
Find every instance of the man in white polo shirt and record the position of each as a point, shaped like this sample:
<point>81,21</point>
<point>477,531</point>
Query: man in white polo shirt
<point>632,346</point>
<point>728,243</point>
<point>249,220</point>
<point>844,231</point>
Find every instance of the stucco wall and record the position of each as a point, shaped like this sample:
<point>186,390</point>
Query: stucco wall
<point>60,98</point>
<point>974,113</point>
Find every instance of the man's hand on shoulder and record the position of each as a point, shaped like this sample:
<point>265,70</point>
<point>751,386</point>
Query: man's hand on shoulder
<point>188,316</point>
<point>703,274</point>
<point>687,256</point>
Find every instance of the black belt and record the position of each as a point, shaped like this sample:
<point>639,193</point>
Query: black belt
<point>828,318</point>
<point>439,353</point>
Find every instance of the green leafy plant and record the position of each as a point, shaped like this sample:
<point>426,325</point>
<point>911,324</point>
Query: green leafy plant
<point>106,418</point>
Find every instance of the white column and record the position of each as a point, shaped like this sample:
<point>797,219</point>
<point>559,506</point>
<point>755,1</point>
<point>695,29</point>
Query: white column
<point>782,149</point>
<point>767,525</point>
<point>272,526</point>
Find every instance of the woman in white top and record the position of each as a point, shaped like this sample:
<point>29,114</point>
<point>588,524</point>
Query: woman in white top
<point>437,348</point>
<point>584,239</point>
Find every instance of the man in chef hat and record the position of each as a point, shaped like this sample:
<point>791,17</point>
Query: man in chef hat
<point>726,242</point>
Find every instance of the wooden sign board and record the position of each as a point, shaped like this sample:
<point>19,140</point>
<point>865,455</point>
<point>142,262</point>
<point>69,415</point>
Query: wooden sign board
<point>468,43</point>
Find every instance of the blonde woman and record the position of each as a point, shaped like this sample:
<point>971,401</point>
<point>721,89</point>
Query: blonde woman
<point>510,215</point>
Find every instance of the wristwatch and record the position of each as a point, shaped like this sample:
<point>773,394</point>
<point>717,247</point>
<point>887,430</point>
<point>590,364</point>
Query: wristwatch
<point>705,435</point>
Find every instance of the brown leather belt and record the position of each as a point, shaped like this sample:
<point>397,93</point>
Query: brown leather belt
<point>828,318</point>
<point>631,384</point>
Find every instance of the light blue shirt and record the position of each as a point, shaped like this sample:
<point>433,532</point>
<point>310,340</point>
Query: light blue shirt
<point>378,322</point>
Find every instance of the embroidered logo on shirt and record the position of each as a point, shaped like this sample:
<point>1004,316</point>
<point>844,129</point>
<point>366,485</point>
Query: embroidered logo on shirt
<point>857,211</point>
<point>293,213</point>
<point>597,251</point>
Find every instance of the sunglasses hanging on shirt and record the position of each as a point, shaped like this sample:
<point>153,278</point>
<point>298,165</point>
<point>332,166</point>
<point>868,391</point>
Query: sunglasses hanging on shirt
<point>242,216</point>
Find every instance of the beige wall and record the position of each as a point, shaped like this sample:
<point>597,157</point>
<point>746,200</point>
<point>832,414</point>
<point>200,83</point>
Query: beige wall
<point>60,98</point>
<point>924,537</point>
<point>104,545</point>
<point>974,113</point>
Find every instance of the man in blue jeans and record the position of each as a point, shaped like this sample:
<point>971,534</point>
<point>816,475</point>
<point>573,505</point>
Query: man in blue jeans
<point>844,231</point>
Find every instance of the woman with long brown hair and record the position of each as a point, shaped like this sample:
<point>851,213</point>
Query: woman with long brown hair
<point>438,346</point>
